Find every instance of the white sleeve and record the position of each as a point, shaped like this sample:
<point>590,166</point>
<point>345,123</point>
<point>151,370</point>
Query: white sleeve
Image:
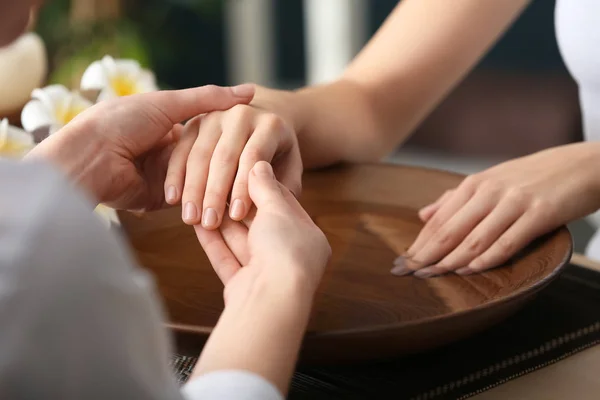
<point>230,385</point>
<point>77,320</point>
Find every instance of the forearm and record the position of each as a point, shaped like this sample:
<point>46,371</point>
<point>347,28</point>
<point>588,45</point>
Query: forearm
<point>420,53</point>
<point>260,333</point>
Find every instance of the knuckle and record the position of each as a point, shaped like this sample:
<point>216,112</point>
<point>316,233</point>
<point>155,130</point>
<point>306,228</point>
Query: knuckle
<point>505,247</point>
<point>471,183</point>
<point>224,158</point>
<point>433,225</point>
<point>212,90</point>
<point>489,187</point>
<point>210,120</point>
<point>474,245</point>
<point>273,122</point>
<point>197,159</point>
<point>517,195</point>
<point>443,236</point>
<point>251,156</point>
<point>542,207</point>
<point>215,196</point>
<point>241,111</point>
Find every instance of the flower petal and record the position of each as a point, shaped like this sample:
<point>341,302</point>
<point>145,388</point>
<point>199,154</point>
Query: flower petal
<point>106,94</point>
<point>146,82</point>
<point>128,68</point>
<point>79,102</point>
<point>51,95</point>
<point>107,214</point>
<point>36,115</point>
<point>14,142</point>
<point>20,136</point>
<point>95,77</point>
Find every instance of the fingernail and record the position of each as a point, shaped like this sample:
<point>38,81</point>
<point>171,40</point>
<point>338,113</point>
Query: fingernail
<point>245,90</point>
<point>190,212</point>
<point>400,267</point>
<point>237,209</point>
<point>430,272</point>
<point>171,194</point>
<point>209,218</point>
<point>399,260</point>
<point>464,271</point>
<point>263,169</point>
<point>425,209</point>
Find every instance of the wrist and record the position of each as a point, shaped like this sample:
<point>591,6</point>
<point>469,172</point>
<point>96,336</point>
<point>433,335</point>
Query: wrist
<point>281,289</point>
<point>281,102</point>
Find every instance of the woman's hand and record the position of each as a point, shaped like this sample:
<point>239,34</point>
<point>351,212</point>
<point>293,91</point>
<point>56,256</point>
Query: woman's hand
<point>213,159</point>
<point>271,272</point>
<point>119,150</point>
<point>492,215</point>
<point>282,244</point>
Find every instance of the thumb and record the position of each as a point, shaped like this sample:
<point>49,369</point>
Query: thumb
<point>180,105</point>
<point>159,111</point>
<point>263,188</point>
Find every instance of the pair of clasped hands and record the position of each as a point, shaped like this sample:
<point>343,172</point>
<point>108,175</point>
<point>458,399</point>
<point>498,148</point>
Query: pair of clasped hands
<point>134,153</point>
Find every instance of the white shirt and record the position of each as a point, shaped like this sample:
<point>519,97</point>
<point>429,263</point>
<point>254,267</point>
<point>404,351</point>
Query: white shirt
<point>578,35</point>
<point>77,319</point>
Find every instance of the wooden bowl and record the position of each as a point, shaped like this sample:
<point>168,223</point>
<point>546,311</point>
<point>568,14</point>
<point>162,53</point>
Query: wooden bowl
<point>369,214</point>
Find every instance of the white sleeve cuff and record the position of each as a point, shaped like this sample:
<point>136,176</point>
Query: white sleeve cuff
<point>230,385</point>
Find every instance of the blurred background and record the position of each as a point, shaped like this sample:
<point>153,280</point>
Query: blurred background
<point>518,100</point>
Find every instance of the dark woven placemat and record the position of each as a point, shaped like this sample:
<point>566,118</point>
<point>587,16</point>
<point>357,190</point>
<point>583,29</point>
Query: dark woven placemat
<point>563,320</point>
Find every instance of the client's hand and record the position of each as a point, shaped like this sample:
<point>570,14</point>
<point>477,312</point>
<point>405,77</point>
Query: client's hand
<point>283,245</point>
<point>494,214</point>
<point>215,155</point>
<point>119,150</point>
<point>270,272</point>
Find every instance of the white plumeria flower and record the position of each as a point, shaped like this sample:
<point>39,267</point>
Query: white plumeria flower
<point>14,142</point>
<point>117,78</point>
<point>108,215</point>
<point>53,106</point>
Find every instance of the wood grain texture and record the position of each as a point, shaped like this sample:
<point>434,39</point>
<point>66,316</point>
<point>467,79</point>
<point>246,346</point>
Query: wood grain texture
<point>369,214</point>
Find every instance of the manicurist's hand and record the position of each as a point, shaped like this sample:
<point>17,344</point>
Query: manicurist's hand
<point>271,272</point>
<point>119,150</point>
<point>282,245</point>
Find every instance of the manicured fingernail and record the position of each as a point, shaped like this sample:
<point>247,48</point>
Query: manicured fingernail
<point>425,209</point>
<point>237,209</point>
<point>464,271</point>
<point>263,169</point>
<point>209,218</point>
<point>171,196</point>
<point>190,212</point>
<point>245,90</point>
<point>429,272</point>
<point>400,267</point>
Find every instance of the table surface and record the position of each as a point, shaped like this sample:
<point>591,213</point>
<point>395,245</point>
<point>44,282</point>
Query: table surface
<point>576,377</point>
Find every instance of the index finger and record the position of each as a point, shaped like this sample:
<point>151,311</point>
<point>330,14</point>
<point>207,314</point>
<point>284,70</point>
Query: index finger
<point>220,256</point>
